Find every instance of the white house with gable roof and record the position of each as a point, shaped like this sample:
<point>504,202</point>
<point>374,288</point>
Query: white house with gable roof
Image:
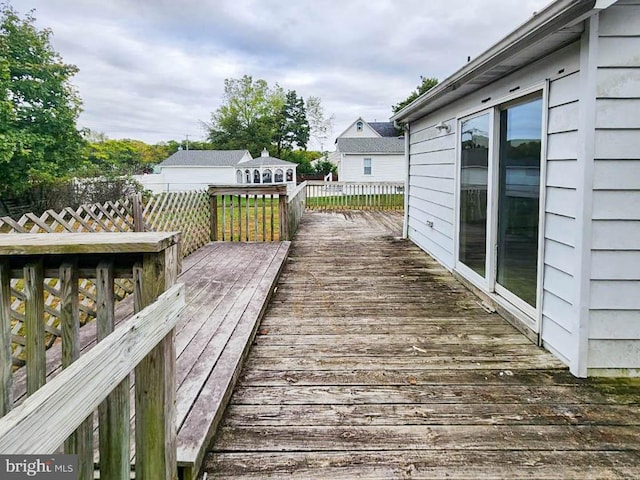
<point>196,169</point>
<point>370,152</point>
<point>524,180</point>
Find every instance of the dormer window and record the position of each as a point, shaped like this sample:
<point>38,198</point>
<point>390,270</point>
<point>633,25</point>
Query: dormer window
<point>359,126</point>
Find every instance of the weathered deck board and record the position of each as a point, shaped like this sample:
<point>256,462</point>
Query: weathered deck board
<point>227,287</point>
<point>426,464</point>
<point>210,382</point>
<point>373,362</point>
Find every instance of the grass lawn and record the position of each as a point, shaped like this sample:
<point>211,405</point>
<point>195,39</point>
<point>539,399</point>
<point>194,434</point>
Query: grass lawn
<point>374,201</point>
<point>248,219</point>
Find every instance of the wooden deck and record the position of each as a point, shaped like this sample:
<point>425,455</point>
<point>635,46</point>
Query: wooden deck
<point>227,287</point>
<point>373,362</point>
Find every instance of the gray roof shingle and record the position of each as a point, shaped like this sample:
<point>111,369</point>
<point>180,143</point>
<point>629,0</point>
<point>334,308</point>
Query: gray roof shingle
<point>371,145</point>
<point>204,158</point>
<point>384,129</point>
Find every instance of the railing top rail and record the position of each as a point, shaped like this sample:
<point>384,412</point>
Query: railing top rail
<point>86,243</point>
<point>322,182</point>
<point>258,189</point>
<point>78,390</point>
<point>297,190</point>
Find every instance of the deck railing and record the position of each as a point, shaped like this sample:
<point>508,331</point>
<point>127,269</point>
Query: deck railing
<point>355,195</point>
<point>249,213</point>
<point>187,212</point>
<point>295,208</point>
<point>60,412</point>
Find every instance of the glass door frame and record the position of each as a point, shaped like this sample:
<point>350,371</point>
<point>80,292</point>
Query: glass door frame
<point>475,278</point>
<point>532,315</point>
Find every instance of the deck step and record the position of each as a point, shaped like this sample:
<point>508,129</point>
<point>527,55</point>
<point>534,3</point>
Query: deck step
<point>228,329</point>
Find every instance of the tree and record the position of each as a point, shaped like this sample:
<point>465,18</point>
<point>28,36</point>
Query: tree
<point>254,116</point>
<point>112,158</point>
<point>303,158</point>
<point>292,126</point>
<point>324,167</point>
<point>425,85</point>
<point>247,118</point>
<point>320,128</point>
<point>39,141</point>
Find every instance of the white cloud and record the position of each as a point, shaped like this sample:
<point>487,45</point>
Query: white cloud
<point>153,69</point>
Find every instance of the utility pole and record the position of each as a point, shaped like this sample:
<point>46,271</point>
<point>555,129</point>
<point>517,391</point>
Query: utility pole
<point>187,135</point>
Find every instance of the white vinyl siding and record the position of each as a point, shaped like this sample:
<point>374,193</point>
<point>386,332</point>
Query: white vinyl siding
<point>180,179</point>
<point>614,327</point>
<point>559,282</point>
<point>591,258</point>
<point>365,132</point>
<point>432,186</point>
<point>384,168</point>
<point>431,189</point>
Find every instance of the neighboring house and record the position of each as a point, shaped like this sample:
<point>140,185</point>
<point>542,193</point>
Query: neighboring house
<point>196,169</point>
<point>370,152</point>
<point>525,180</point>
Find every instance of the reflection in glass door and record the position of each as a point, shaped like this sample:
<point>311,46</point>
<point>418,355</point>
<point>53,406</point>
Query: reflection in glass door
<point>474,168</point>
<point>518,199</point>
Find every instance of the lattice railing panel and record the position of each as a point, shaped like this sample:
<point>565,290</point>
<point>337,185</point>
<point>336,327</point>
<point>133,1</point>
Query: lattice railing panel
<point>107,217</point>
<point>187,212</point>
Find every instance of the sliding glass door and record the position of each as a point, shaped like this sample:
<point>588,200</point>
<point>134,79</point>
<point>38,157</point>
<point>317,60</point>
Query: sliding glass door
<point>499,198</point>
<point>474,176</point>
<point>519,199</point>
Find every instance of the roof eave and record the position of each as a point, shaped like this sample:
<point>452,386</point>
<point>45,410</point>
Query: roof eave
<point>373,153</point>
<point>558,15</point>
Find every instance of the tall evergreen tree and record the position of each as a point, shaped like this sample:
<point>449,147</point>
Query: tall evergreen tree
<point>292,126</point>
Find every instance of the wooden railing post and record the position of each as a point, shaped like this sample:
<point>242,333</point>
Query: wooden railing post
<point>79,442</point>
<point>214,217</point>
<point>155,388</point>
<point>34,325</point>
<point>6,385</point>
<point>283,209</point>
<point>138,216</point>
<point>114,424</point>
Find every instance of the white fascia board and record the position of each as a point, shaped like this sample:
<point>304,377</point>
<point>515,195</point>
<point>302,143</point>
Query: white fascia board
<point>552,19</point>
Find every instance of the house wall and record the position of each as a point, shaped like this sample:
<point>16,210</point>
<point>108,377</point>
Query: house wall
<point>431,191</point>
<point>334,157</point>
<point>384,168</point>
<point>180,179</point>
<point>367,132</point>
<point>614,327</point>
<point>154,182</point>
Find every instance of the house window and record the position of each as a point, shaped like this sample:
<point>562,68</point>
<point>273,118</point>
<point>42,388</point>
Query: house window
<point>247,174</point>
<point>279,176</point>
<point>359,126</point>
<point>290,175</point>
<point>239,176</point>
<point>367,166</point>
<point>256,176</point>
<point>266,176</point>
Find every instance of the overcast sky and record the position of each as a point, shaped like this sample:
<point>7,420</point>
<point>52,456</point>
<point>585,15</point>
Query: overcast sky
<point>153,69</point>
